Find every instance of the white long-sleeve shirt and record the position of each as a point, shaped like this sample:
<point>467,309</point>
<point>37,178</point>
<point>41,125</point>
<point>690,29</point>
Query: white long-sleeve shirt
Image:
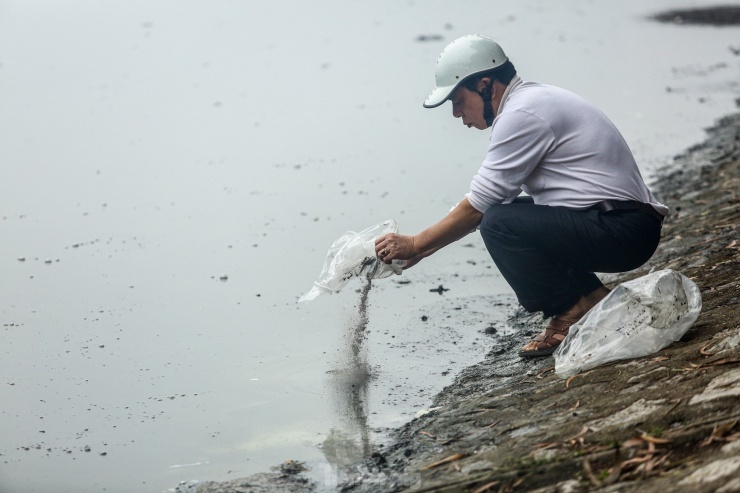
<point>559,149</point>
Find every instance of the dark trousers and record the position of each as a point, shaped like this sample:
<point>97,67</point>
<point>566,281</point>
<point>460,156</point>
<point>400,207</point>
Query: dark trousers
<point>548,255</point>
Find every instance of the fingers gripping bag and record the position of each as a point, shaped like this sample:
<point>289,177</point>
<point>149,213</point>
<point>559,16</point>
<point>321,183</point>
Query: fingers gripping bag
<point>353,255</point>
<point>637,318</point>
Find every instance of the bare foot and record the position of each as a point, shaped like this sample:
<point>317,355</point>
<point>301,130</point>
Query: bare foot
<point>550,338</point>
<point>598,294</point>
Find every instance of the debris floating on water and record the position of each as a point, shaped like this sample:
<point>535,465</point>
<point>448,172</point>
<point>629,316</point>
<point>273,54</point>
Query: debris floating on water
<point>439,289</point>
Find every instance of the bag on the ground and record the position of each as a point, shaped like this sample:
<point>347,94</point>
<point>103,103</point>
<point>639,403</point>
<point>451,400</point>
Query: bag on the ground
<point>637,318</point>
<point>353,255</point>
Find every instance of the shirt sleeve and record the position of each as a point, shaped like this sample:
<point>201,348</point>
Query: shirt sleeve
<point>519,141</point>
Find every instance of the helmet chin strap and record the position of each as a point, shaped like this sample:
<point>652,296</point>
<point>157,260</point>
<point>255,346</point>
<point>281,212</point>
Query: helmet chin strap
<point>488,113</point>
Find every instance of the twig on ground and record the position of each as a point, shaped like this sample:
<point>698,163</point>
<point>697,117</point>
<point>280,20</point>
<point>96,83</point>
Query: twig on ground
<point>590,473</point>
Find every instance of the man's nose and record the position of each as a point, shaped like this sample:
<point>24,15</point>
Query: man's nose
<point>455,112</point>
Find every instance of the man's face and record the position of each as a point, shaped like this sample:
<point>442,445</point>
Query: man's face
<point>468,105</point>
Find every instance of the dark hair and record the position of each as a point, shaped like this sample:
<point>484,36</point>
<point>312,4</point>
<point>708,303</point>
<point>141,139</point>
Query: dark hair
<point>503,74</point>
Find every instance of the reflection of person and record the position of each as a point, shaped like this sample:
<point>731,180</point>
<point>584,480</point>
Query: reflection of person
<point>588,209</point>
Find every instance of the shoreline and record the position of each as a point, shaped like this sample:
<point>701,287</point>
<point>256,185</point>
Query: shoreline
<point>532,431</point>
<point>643,424</point>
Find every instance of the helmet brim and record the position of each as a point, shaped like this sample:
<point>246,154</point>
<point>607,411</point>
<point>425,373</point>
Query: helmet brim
<point>438,96</point>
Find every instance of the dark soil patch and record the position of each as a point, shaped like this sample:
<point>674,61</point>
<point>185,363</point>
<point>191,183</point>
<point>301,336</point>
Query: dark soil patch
<point>728,15</point>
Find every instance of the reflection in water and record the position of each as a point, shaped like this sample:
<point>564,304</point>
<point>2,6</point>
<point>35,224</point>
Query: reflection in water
<point>346,447</point>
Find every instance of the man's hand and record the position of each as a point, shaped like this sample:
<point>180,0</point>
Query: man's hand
<point>394,246</point>
<point>460,221</point>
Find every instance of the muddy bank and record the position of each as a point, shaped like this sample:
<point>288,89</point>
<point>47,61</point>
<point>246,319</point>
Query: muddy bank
<point>640,425</point>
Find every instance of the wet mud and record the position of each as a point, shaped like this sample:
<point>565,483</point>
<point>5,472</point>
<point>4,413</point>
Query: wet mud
<point>284,478</point>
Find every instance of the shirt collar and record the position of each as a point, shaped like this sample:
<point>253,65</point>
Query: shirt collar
<point>515,82</point>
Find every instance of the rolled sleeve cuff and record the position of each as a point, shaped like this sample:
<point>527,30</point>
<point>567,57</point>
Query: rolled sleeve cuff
<point>478,204</point>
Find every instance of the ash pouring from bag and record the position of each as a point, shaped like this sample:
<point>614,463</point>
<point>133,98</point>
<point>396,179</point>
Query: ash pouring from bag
<point>358,331</point>
<point>354,358</point>
<point>349,444</point>
<point>352,367</point>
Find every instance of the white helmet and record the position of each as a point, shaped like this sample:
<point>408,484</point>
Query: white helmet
<point>462,58</point>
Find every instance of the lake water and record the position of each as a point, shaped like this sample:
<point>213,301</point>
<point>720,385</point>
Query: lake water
<point>174,172</point>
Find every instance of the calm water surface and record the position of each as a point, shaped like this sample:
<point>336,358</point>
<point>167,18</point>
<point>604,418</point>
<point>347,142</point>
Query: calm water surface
<point>174,172</point>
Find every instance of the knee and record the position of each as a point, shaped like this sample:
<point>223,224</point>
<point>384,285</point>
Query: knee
<point>497,219</point>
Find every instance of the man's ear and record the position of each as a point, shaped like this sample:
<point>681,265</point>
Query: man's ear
<point>485,82</point>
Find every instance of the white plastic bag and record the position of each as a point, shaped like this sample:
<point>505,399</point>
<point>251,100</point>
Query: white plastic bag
<point>637,318</point>
<point>353,255</point>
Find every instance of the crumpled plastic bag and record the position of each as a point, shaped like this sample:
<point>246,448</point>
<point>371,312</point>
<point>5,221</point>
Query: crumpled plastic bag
<point>637,318</point>
<point>353,255</point>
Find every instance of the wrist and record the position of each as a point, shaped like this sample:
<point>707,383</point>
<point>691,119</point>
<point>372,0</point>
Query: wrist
<point>413,246</point>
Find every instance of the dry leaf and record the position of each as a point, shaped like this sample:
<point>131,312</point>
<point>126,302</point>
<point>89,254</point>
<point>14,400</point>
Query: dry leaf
<point>546,445</point>
<point>583,431</point>
<point>723,362</point>
<point>718,433</point>
<point>651,439</point>
<point>567,382</point>
<point>733,437</point>
<point>704,348</point>
<point>545,371</point>
<point>632,442</point>
<point>486,487</point>
<point>636,460</point>
<point>446,460</point>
